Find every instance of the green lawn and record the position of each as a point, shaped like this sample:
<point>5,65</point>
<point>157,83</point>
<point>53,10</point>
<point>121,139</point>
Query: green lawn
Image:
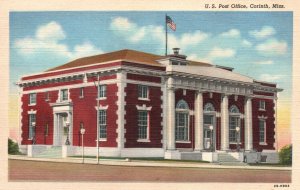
<point>161,159</point>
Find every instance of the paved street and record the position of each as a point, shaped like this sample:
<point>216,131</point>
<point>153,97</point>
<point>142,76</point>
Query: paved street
<point>21,170</point>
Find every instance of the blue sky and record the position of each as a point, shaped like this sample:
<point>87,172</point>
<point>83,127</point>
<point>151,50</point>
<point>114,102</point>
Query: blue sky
<point>257,44</point>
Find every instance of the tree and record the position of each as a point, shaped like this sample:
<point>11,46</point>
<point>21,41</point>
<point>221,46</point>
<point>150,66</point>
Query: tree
<point>285,155</point>
<point>13,147</point>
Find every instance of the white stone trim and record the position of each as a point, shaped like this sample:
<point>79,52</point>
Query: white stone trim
<point>144,140</point>
<point>143,107</point>
<point>145,83</point>
<point>20,110</point>
<point>164,107</point>
<point>71,86</point>
<point>102,98</point>
<point>121,77</point>
<point>184,142</point>
<point>262,117</point>
<point>101,107</point>
<point>89,84</point>
<point>248,125</point>
<point>31,111</point>
<point>171,115</point>
<point>199,121</point>
<point>224,123</point>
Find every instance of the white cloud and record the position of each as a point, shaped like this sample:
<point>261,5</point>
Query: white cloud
<point>122,23</point>
<point>48,39</point>
<point>270,78</point>
<point>135,34</point>
<point>265,32</point>
<point>246,43</point>
<point>265,62</point>
<point>51,31</point>
<point>232,33</point>
<point>85,49</point>
<point>29,46</point>
<point>217,52</point>
<point>272,47</point>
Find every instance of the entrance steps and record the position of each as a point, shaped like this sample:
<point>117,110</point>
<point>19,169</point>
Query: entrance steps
<point>228,159</point>
<point>50,152</point>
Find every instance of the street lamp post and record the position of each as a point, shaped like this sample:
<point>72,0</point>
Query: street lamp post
<point>82,131</point>
<point>238,138</point>
<point>67,140</point>
<point>211,137</point>
<point>33,138</point>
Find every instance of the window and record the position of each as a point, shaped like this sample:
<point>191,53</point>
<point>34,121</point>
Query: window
<point>32,99</point>
<point>64,95</point>
<point>209,107</point>
<point>102,91</point>
<point>262,131</point>
<point>181,122</point>
<point>102,124</point>
<point>142,124</point>
<point>234,123</point>
<point>81,92</point>
<point>181,127</point>
<point>47,96</point>
<point>46,130</point>
<point>143,91</point>
<point>262,105</point>
<point>32,123</point>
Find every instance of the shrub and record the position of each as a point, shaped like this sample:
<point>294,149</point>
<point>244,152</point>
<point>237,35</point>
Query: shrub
<point>13,147</point>
<point>285,155</point>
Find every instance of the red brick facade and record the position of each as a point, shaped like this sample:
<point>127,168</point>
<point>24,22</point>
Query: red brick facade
<point>83,108</point>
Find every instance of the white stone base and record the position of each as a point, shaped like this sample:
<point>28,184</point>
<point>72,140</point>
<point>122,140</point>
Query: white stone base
<point>210,156</point>
<point>33,150</point>
<point>237,155</point>
<point>271,156</point>
<point>172,154</point>
<point>142,152</point>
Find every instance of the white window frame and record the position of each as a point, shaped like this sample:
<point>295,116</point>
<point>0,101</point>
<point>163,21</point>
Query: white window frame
<point>233,130</point>
<point>81,92</point>
<point>31,131</point>
<point>182,108</point>
<point>61,95</point>
<point>102,91</point>
<point>262,105</point>
<point>145,137</point>
<point>235,113</point>
<point>103,124</point>
<point>32,99</point>
<point>264,131</point>
<point>143,92</point>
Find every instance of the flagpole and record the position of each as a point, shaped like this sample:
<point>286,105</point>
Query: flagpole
<point>166,35</point>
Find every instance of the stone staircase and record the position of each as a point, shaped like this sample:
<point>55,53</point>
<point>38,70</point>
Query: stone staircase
<point>227,159</point>
<point>52,152</point>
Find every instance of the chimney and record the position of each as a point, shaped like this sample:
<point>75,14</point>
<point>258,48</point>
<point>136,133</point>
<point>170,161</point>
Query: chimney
<point>176,51</point>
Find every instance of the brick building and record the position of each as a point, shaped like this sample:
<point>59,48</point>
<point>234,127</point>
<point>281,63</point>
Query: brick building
<point>147,105</point>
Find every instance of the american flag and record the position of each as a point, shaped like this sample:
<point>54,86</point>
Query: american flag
<point>170,23</point>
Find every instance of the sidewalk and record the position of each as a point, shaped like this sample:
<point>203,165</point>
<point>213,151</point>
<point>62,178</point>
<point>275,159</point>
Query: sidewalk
<point>141,163</point>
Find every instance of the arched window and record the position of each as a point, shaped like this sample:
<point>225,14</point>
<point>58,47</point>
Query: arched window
<point>182,120</point>
<point>234,109</point>
<point>234,124</point>
<point>209,107</point>
<point>182,105</point>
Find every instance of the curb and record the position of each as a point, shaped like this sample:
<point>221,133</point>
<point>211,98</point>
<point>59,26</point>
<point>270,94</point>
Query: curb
<point>142,163</point>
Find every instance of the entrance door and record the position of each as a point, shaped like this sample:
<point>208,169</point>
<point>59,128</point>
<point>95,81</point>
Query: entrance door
<point>62,129</point>
<point>208,134</point>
